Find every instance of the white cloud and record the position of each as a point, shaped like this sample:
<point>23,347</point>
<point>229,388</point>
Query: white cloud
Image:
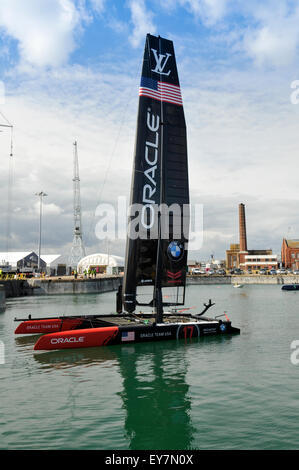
<point>49,111</point>
<point>242,137</point>
<point>268,31</point>
<point>239,132</point>
<point>98,5</point>
<point>268,46</point>
<point>275,38</point>
<point>48,209</point>
<point>207,11</point>
<point>210,11</point>
<point>142,22</point>
<point>117,26</point>
<point>45,30</point>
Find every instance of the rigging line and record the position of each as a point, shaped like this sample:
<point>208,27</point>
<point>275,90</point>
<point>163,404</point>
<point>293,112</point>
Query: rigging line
<point>9,185</point>
<point>6,120</point>
<point>112,154</point>
<point>11,141</point>
<point>9,203</point>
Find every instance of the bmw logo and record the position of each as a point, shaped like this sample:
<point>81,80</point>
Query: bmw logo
<point>175,250</point>
<point>222,327</point>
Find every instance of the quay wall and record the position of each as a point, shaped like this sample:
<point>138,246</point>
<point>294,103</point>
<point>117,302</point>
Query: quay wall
<point>62,285</point>
<point>206,280</point>
<point>69,285</point>
<point>2,299</point>
<point>16,288</point>
<point>243,279</point>
<point>74,286</point>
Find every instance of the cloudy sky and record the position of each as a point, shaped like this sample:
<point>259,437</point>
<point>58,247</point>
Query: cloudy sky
<point>70,70</point>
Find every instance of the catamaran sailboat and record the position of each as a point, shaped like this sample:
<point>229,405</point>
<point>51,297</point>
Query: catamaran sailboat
<point>156,252</point>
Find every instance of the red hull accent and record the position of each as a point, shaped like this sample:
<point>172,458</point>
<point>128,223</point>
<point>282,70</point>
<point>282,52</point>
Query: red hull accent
<point>47,326</point>
<point>84,338</point>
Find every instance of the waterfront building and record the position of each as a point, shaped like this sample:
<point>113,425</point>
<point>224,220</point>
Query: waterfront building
<point>192,264</point>
<point>232,256</point>
<point>290,253</point>
<point>56,265</point>
<point>258,259</point>
<point>21,261</point>
<point>238,256</point>
<point>214,264</point>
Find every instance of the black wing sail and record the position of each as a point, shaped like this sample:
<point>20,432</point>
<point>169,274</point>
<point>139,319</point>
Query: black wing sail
<point>156,252</point>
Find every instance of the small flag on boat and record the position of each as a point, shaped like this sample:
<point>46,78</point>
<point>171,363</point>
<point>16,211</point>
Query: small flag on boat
<point>128,336</point>
<point>161,91</point>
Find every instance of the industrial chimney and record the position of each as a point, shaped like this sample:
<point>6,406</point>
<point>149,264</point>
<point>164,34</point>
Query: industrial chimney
<point>242,228</point>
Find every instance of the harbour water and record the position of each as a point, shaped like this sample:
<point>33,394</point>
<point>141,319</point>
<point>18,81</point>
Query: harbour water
<point>238,392</point>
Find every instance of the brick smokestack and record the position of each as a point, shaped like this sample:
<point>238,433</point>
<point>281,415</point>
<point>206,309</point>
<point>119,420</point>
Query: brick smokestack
<point>242,228</point>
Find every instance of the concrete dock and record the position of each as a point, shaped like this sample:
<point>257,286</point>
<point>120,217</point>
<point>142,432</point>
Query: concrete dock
<point>69,285</point>
<point>105,283</point>
<point>243,279</point>
<point>2,299</point>
<point>60,285</point>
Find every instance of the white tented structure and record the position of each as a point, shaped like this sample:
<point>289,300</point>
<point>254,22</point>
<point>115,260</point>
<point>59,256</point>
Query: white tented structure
<point>57,265</point>
<point>102,263</point>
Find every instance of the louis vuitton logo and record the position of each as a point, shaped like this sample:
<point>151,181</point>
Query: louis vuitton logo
<point>161,62</point>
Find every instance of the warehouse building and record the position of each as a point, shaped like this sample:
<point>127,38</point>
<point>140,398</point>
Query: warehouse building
<point>56,265</point>
<point>20,261</point>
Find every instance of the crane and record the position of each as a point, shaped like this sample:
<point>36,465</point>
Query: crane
<point>78,249</point>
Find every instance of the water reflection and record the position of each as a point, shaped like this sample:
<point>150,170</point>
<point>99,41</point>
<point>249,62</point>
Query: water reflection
<point>155,391</point>
<point>155,396</point>
<point>26,340</point>
<point>66,359</point>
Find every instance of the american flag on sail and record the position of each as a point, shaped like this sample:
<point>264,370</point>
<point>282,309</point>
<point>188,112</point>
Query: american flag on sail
<point>161,91</point>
